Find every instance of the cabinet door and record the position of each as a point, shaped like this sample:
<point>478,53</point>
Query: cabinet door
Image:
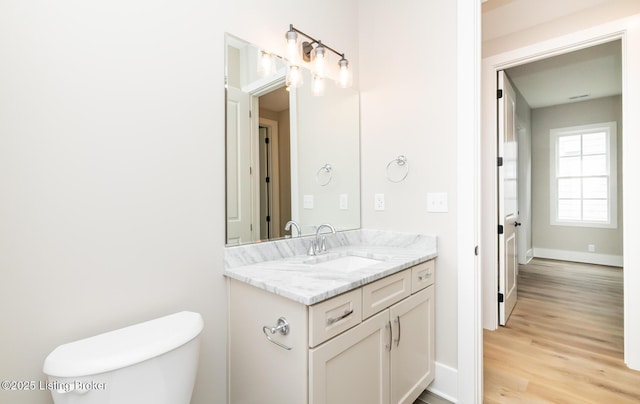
<point>412,352</point>
<point>353,367</point>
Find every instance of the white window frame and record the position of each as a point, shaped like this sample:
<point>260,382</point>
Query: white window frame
<point>611,129</point>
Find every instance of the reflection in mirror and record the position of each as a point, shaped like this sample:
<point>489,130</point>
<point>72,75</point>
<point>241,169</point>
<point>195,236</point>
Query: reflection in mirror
<point>290,155</point>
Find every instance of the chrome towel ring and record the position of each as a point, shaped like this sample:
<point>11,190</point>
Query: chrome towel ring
<point>324,175</point>
<point>402,165</point>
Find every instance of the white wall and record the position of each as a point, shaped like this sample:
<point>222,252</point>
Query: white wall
<point>567,238</point>
<point>112,167</point>
<point>522,23</point>
<point>408,93</point>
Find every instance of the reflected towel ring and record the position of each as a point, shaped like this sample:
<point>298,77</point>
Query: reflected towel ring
<point>324,171</point>
<point>401,161</point>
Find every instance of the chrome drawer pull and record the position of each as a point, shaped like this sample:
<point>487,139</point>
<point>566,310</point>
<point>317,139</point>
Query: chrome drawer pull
<point>332,320</point>
<point>399,331</point>
<point>282,327</point>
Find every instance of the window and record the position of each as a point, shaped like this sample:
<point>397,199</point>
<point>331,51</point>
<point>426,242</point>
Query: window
<point>583,176</point>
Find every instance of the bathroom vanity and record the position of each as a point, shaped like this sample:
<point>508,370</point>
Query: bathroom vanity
<point>353,325</point>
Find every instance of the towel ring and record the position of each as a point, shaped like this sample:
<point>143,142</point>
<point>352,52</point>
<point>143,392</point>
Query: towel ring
<point>401,161</point>
<point>325,171</point>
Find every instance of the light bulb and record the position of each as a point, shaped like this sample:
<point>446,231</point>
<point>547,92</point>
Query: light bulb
<point>294,77</point>
<point>319,60</point>
<point>293,52</point>
<point>317,85</point>
<point>266,64</point>
<point>344,75</point>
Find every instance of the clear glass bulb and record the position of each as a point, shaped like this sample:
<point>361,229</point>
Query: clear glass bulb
<point>293,47</point>
<point>319,60</point>
<point>317,85</point>
<point>294,77</point>
<point>344,75</point>
<point>266,64</point>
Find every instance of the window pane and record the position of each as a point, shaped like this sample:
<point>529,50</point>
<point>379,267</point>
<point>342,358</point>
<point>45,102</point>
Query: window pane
<point>569,146</point>
<point>569,188</point>
<point>595,188</point>
<point>582,166</point>
<point>594,143</point>
<point>595,210</point>
<point>594,165</point>
<point>569,166</point>
<point>569,209</point>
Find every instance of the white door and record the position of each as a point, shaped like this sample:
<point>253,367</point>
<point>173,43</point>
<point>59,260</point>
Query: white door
<point>239,223</point>
<point>507,198</point>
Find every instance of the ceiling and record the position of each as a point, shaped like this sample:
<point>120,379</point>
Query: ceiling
<point>276,101</point>
<point>595,72</point>
<point>504,17</point>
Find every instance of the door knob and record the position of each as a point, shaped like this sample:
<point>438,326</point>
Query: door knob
<point>516,224</point>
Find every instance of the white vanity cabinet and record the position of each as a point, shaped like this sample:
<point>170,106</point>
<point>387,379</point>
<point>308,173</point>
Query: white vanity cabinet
<point>373,344</point>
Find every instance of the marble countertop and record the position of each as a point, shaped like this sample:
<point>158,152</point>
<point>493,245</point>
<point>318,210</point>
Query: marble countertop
<point>283,267</point>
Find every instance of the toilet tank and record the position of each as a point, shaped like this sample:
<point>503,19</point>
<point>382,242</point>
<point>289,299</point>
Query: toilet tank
<point>151,362</point>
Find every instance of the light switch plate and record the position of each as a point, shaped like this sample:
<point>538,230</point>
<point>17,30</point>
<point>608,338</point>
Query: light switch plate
<point>437,202</point>
<point>308,201</point>
<point>378,201</point>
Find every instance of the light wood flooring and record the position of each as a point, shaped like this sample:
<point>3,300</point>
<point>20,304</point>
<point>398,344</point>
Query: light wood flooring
<point>564,340</point>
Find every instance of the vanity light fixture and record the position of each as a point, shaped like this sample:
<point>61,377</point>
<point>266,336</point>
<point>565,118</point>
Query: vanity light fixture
<point>315,52</point>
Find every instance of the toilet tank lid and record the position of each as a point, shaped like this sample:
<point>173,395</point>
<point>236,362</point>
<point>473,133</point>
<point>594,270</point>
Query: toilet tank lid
<point>123,347</point>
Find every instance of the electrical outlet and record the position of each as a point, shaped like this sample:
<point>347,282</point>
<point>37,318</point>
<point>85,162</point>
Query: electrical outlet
<point>344,202</point>
<point>591,247</point>
<point>437,202</point>
<point>378,201</point>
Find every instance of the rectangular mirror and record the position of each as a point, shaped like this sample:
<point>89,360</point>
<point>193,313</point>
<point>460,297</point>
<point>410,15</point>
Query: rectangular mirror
<point>290,155</point>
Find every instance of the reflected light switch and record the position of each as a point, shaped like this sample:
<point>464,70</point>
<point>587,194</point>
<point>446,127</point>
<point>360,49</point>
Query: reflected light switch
<point>308,201</point>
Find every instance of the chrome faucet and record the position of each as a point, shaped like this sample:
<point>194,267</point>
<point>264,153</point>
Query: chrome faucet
<point>318,245</point>
<point>293,223</point>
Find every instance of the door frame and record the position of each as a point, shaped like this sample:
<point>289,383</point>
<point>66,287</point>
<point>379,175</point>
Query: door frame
<point>465,382</point>
<point>628,31</point>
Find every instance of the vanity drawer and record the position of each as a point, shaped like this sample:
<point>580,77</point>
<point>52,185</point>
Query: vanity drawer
<point>381,294</point>
<point>422,275</point>
<point>331,317</point>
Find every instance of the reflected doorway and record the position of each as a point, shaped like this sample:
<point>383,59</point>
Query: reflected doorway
<point>274,162</point>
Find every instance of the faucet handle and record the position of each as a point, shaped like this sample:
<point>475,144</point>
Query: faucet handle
<point>312,248</point>
<point>323,246</point>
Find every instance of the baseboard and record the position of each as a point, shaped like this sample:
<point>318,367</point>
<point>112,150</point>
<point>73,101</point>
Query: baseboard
<point>529,255</point>
<point>445,383</point>
<point>579,256</point>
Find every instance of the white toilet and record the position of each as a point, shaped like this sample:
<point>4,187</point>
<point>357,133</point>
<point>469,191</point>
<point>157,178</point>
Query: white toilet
<point>154,362</point>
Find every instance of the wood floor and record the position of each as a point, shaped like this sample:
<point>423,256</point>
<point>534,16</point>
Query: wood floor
<point>564,340</point>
